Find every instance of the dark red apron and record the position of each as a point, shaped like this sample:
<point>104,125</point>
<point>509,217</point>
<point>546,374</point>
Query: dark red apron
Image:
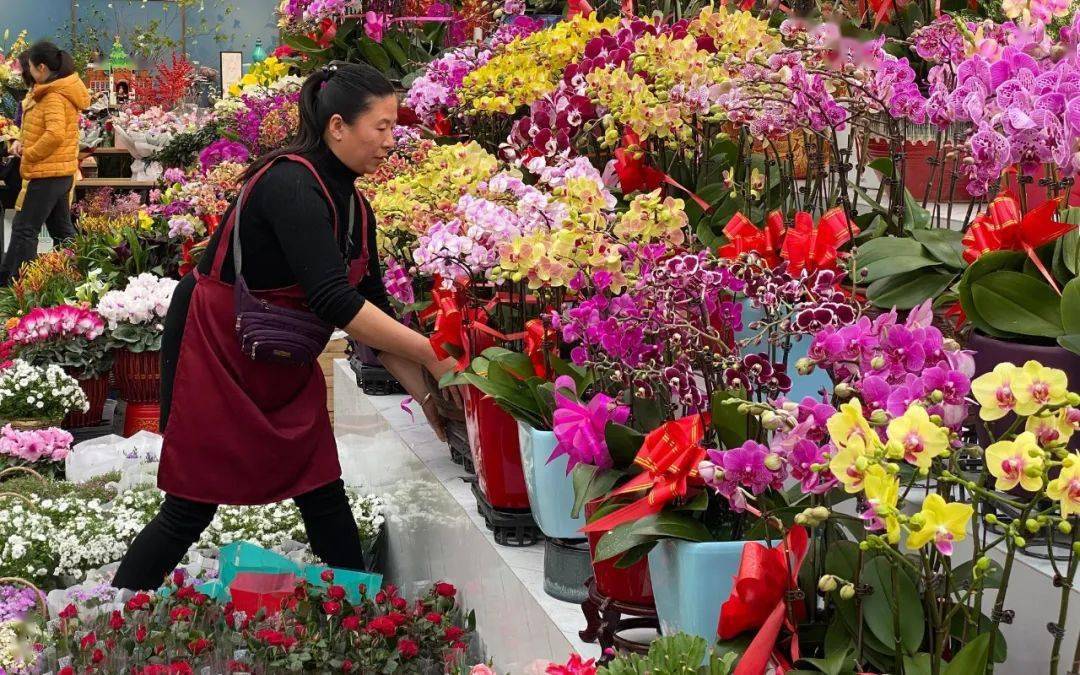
<point>242,431</point>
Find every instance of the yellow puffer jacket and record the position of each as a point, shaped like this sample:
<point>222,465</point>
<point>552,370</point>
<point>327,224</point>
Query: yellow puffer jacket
<point>50,128</point>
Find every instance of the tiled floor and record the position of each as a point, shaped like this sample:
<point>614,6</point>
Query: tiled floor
<point>436,532</point>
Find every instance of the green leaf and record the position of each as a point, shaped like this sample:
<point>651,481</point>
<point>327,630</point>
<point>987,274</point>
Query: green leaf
<point>634,555</point>
<point>883,165</point>
<point>884,248</point>
<point>990,262</point>
<point>915,216</point>
<point>944,245</point>
<point>581,476</point>
<point>1070,342</point>
<point>1070,248</point>
<point>390,44</point>
<point>917,664</point>
<point>622,539</point>
<point>668,525</point>
<point>733,426</point>
<point>623,443</point>
<point>892,266</point>
<point>374,54</point>
<point>1070,307</point>
<point>1017,303</point>
<point>972,658</point>
<point>879,606</point>
<point>712,194</point>
<point>905,291</point>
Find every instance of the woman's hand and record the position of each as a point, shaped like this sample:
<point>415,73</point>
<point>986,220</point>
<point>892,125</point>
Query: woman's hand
<point>17,148</point>
<point>434,418</point>
<point>440,368</point>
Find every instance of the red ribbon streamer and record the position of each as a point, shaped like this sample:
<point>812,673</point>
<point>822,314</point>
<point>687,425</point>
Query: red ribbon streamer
<point>670,456</point>
<point>537,337</point>
<point>578,8</point>
<point>1002,228</point>
<point>758,602</point>
<point>744,237</point>
<point>449,324</point>
<point>811,247</point>
<point>634,174</point>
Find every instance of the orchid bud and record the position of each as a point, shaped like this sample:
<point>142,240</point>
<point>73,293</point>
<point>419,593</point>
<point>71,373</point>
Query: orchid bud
<point>843,390</point>
<point>1020,542</point>
<point>744,408</point>
<point>950,345</point>
<point>707,471</point>
<point>805,366</point>
<point>1068,461</point>
<point>991,519</point>
<point>820,512</point>
<point>801,519</point>
<point>1074,398</point>
<point>891,469</point>
<point>1032,471</point>
<point>770,421</point>
<point>1032,525</point>
<point>773,461</point>
<point>847,592</point>
<point>937,396</point>
<point>827,584</point>
<point>935,419</point>
<point>982,564</point>
<point>916,522</point>
<point>877,363</point>
<point>861,463</point>
<point>879,417</point>
<point>790,406</point>
<point>1065,527</point>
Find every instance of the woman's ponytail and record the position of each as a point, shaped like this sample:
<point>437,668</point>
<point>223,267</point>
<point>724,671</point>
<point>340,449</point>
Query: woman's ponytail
<point>340,88</point>
<point>59,62</point>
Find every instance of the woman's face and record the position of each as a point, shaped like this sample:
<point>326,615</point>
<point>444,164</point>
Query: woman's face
<point>40,72</point>
<point>363,145</point>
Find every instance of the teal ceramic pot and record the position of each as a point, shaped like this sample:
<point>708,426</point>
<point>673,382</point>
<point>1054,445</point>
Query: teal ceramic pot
<point>801,385</point>
<point>691,580</point>
<point>551,490</point>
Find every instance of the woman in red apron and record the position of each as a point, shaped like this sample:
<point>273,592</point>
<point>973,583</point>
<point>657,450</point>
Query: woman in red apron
<point>240,431</point>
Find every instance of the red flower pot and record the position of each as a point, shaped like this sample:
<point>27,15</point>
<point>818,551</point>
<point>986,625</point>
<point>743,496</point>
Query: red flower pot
<point>138,376</point>
<point>632,585</point>
<point>141,417</point>
<point>920,178</point>
<point>493,437</point>
<point>97,391</point>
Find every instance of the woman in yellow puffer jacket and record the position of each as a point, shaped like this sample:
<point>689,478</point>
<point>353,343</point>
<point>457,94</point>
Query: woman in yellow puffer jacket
<point>49,147</point>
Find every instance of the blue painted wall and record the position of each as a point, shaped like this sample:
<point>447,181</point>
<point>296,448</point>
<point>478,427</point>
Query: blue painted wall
<point>250,19</point>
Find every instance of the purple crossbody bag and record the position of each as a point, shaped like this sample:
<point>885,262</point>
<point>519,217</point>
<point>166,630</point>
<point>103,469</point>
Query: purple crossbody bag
<point>270,333</point>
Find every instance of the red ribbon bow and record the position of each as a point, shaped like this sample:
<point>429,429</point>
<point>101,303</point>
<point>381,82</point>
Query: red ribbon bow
<point>325,35</point>
<point>1001,227</point>
<point>634,174</point>
<point>811,247</point>
<point>449,328</point>
<point>744,237</point>
<point>670,456</point>
<point>539,341</point>
<point>578,8</point>
<point>758,602</point>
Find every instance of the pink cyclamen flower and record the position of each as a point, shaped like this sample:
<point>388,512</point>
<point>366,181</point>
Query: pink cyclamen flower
<point>580,429</point>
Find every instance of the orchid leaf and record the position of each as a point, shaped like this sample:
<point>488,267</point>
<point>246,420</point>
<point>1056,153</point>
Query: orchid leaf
<point>622,539</point>
<point>1070,342</point>
<point>672,525</point>
<point>885,248</point>
<point>894,265</point>
<point>1017,303</point>
<point>972,658</point>
<point>879,606</point>
<point>990,262</point>
<point>944,245</point>
<point>905,291</point>
<point>623,443</point>
<point>1070,307</point>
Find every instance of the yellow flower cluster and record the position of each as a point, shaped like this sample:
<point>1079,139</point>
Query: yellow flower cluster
<point>261,74</point>
<point>527,69</point>
<point>652,217</point>
<point>735,33</point>
<point>407,204</point>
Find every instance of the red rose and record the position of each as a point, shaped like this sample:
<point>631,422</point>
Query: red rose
<point>347,666</point>
<point>140,601</point>
<point>391,590</point>
<point>178,577</point>
<point>332,608</point>
<point>459,646</point>
<point>98,656</point>
<point>408,648</point>
<point>201,599</point>
<point>327,576</point>
<point>400,604</point>
<point>397,617</point>
<point>181,614</point>
<point>140,633</point>
<point>335,593</point>
<point>453,633</point>
<point>299,631</point>
<point>186,593</point>
<point>445,590</point>
<point>434,617</point>
<point>382,626</point>
<point>198,646</point>
<point>88,641</point>
<point>300,592</point>
<point>69,612</point>
<point>380,598</point>
<point>66,670</point>
<point>351,623</point>
<point>116,621</point>
<point>270,637</point>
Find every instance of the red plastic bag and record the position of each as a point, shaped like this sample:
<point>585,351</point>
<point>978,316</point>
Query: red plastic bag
<point>252,591</point>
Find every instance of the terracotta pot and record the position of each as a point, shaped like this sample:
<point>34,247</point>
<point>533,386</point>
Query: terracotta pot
<point>138,376</point>
<point>632,585</point>
<point>97,391</point>
<point>990,351</point>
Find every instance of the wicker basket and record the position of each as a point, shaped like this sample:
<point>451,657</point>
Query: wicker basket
<point>138,376</point>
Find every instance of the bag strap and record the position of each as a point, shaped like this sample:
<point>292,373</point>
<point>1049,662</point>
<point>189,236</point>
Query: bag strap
<point>231,231</point>
<point>365,253</point>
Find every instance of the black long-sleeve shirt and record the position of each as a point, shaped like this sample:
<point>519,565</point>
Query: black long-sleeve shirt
<point>287,237</point>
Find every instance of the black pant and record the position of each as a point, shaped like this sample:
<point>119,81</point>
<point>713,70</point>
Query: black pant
<point>158,549</point>
<point>46,203</point>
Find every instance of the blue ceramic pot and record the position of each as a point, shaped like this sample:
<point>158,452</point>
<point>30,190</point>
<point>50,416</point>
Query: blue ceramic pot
<point>801,385</point>
<point>691,580</point>
<point>551,490</point>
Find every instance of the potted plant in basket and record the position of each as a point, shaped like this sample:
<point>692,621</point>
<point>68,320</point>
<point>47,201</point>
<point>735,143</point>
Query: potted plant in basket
<point>135,317</point>
<point>37,397</point>
<point>72,337</point>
